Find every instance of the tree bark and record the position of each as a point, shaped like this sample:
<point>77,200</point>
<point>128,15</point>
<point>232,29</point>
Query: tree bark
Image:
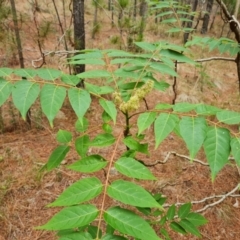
<point>237,8</point>
<point>234,27</point>
<point>19,47</point>
<point>206,17</point>
<point>79,34</point>
<point>189,24</point>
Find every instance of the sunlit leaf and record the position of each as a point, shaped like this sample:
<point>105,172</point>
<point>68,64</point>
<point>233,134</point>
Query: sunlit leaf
<point>57,156</point>
<point>131,194</point>
<point>109,108</point>
<point>48,74</point>
<point>79,192</point>
<point>64,136</point>
<point>71,217</point>
<point>145,120</point>
<point>89,164</point>
<point>129,223</point>
<point>80,101</point>
<point>163,126</point>
<point>133,168</point>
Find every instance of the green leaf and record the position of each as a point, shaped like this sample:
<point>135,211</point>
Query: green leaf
<point>163,69</point>
<point>163,106</point>
<point>189,227</point>
<point>24,72</point>
<point>81,124</point>
<point>94,74</point>
<point>135,145</point>
<point>172,54</point>
<point>74,235</point>
<point>163,126</point>
<point>71,217</point>
<point>113,237</point>
<point>196,219</point>
<point>93,54</point>
<point>72,80</point>
<point>24,94</point>
<point>95,233</point>
<point>228,117</point>
<point>89,61</point>
<point>132,194</point>
<point>183,107</point>
<point>107,128</point>
<point>205,109</point>
<point>129,223</point>
<point>145,120</point>
<point>52,98</point>
<point>103,140</point>
<point>171,212</point>
<point>5,72</point>
<point>110,108</point>
<point>165,234</point>
<point>177,228</point>
<point>64,136</point>
<point>5,90</point>
<point>146,46</point>
<point>235,147</point>
<point>193,130</point>
<point>82,145</point>
<point>48,74</point>
<point>217,149</point>
<point>161,85</point>
<point>57,157</point>
<point>132,168</point>
<point>89,164</point>
<point>184,210</point>
<point>80,101</point>
<point>79,192</point>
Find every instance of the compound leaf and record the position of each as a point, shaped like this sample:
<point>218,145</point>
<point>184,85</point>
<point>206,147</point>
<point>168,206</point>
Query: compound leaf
<point>80,101</point>
<point>80,191</point>
<point>217,148</point>
<point>71,217</point>
<point>193,130</point>
<point>132,194</point>
<point>89,164</point>
<point>52,98</point>
<point>109,108</point>
<point>24,94</point>
<point>57,157</point>
<point>132,168</point>
<point>145,120</point>
<point>129,223</point>
<point>5,90</point>
<point>164,124</point>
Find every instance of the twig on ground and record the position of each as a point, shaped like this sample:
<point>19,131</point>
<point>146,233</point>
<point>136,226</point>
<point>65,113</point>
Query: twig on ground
<point>222,198</point>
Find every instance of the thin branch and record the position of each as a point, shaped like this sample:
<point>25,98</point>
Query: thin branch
<point>222,198</point>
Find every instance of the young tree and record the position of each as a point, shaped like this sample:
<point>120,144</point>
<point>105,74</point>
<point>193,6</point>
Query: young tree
<point>79,33</point>
<point>237,8</point>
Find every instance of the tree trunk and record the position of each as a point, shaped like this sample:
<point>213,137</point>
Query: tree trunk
<point>235,29</point>
<point>143,8</point>
<point>189,24</point>
<point>79,34</point>
<point>135,10</point>
<point>19,47</point>
<point>206,17</point>
<point>237,8</point>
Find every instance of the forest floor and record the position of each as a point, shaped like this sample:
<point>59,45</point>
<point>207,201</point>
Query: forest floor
<point>25,190</point>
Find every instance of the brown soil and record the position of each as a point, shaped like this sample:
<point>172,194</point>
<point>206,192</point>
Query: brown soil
<point>25,190</point>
